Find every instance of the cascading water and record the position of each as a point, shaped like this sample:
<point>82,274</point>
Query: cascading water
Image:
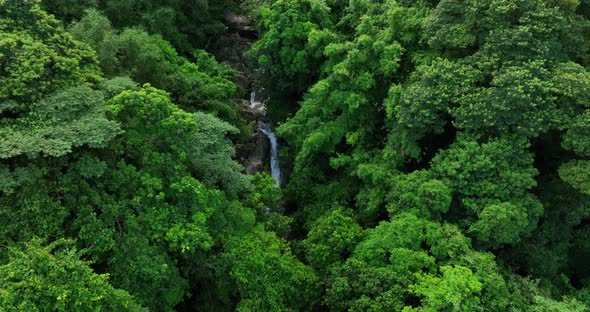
<point>258,107</point>
<point>275,166</point>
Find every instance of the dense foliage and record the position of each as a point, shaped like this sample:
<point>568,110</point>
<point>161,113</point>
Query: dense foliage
<point>147,194</point>
<point>439,157</point>
<point>452,132</point>
<point>186,24</point>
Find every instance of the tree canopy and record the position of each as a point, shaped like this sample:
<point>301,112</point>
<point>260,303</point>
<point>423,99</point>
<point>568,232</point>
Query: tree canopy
<point>435,153</point>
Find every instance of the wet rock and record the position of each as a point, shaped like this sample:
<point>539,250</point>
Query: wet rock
<point>231,49</point>
<point>241,24</point>
<point>258,108</point>
<point>242,82</point>
<point>233,20</point>
<point>247,111</point>
<point>253,153</point>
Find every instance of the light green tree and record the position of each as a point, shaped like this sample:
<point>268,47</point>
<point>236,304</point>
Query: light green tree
<point>53,278</point>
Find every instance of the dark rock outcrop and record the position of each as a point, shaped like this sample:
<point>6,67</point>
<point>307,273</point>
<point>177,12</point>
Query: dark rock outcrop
<point>231,48</point>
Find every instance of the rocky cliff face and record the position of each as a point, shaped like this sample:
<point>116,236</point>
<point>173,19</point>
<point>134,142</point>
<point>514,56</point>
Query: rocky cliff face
<point>254,154</point>
<point>231,48</point>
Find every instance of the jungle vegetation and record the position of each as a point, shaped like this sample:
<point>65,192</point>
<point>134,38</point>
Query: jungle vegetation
<point>438,151</point>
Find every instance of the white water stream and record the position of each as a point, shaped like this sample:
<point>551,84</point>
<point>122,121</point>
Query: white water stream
<point>256,105</point>
<point>275,166</point>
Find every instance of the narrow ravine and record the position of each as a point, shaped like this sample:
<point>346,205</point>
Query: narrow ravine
<point>261,150</point>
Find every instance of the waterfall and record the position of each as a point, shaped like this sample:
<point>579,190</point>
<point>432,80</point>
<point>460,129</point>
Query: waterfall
<point>275,166</point>
<point>257,106</point>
